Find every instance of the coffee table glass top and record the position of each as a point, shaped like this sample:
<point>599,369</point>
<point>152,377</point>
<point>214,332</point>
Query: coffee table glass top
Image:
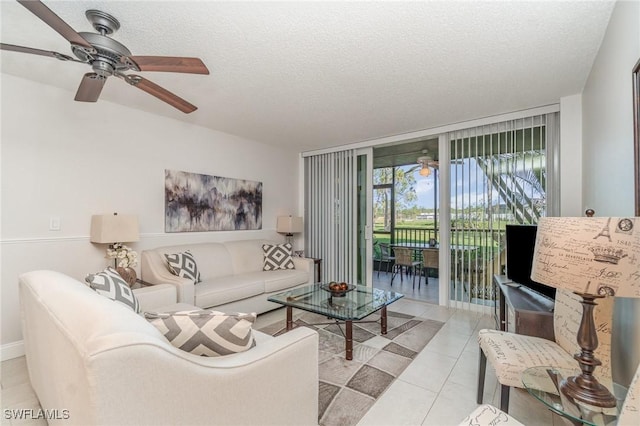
<point>544,382</point>
<point>355,305</point>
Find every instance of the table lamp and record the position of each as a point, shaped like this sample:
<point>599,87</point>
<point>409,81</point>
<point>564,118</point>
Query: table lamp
<point>289,225</point>
<point>114,228</point>
<point>593,257</point>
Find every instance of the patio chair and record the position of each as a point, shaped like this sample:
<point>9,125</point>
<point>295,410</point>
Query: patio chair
<point>404,261</point>
<point>429,261</point>
<point>384,256</point>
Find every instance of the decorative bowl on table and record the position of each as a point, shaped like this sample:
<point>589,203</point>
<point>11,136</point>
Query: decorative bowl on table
<point>337,289</point>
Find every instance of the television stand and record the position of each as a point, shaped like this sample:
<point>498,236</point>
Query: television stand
<point>523,310</point>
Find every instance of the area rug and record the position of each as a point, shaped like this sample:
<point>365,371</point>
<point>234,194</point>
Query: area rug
<point>347,389</point>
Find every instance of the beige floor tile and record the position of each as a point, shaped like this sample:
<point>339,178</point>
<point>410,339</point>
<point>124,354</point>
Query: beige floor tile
<point>429,370</point>
<point>448,344</point>
<point>14,372</point>
<point>465,373</point>
<point>449,409</point>
<point>401,404</point>
<point>527,409</point>
<point>19,396</point>
<point>438,313</point>
<point>409,307</point>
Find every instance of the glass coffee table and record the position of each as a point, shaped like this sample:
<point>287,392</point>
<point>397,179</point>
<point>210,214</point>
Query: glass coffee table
<point>544,382</point>
<point>354,305</point>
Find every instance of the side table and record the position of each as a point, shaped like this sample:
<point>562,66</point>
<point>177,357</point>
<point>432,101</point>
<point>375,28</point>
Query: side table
<point>317,263</point>
<point>544,384</point>
<point>140,284</point>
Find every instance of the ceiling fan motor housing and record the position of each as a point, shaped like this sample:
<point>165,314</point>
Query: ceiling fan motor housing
<point>106,60</point>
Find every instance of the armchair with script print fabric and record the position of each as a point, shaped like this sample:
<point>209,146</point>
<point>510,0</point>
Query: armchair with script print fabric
<point>510,354</point>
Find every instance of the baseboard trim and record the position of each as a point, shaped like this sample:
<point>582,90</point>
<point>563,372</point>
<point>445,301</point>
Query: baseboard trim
<point>12,350</point>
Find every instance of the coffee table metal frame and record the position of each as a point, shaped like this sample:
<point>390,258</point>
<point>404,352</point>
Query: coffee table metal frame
<point>353,306</point>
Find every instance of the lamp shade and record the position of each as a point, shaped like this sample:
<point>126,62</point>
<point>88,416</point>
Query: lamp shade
<point>592,255</point>
<point>289,225</point>
<point>114,228</point>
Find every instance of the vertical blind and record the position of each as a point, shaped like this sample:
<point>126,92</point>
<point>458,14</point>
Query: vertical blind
<point>499,175</point>
<point>331,213</point>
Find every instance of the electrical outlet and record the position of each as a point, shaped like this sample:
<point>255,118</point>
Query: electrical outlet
<point>54,224</point>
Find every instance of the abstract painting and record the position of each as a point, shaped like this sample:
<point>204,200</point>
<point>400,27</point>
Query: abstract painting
<point>194,202</point>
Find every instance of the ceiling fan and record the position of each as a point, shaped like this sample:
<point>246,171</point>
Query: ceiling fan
<point>109,58</point>
<point>426,162</point>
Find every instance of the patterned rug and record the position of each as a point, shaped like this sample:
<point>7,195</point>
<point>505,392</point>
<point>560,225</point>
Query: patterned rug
<point>348,389</point>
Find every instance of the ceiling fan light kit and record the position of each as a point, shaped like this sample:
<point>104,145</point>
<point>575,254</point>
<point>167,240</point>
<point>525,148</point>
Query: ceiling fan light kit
<point>426,162</point>
<point>107,57</point>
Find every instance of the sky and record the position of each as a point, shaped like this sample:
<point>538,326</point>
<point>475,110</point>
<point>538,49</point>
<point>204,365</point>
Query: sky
<point>470,176</point>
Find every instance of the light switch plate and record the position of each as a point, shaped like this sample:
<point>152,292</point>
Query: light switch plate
<point>54,224</point>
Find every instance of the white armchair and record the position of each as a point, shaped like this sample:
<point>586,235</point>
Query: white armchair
<point>108,366</point>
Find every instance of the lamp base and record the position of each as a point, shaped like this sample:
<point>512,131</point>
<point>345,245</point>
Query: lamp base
<point>585,387</point>
<point>587,390</point>
<point>289,239</point>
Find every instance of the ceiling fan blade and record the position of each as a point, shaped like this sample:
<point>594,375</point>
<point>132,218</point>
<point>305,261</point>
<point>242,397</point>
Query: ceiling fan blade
<point>165,64</point>
<point>90,87</point>
<point>160,93</point>
<point>54,21</point>
<point>22,49</point>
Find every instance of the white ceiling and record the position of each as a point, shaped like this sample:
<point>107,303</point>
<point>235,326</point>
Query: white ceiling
<point>309,75</point>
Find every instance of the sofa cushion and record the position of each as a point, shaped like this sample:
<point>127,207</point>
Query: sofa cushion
<point>111,285</point>
<point>206,333</point>
<point>283,279</point>
<point>227,289</point>
<point>183,265</point>
<point>277,256</point>
<point>246,255</point>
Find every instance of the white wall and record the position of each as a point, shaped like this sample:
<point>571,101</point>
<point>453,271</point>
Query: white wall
<point>570,156</point>
<point>607,117</point>
<point>66,159</point>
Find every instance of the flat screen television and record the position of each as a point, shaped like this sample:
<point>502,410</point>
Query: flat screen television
<point>521,241</point>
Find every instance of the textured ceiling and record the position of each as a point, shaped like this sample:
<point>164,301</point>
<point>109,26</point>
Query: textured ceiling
<point>309,75</point>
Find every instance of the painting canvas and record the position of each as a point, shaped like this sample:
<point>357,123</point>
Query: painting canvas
<point>196,202</point>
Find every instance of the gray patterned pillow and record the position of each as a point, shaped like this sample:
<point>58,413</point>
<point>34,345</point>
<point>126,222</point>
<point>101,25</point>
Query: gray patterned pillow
<point>183,265</point>
<point>206,333</point>
<point>277,256</point>
<point>110,284</point>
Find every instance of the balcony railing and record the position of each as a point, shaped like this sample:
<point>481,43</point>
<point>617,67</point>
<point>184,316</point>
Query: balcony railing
<point>481,256</point>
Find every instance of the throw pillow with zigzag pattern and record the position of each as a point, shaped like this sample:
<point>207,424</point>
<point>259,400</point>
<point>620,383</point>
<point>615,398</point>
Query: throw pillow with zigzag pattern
<point>206,333</point>
<point>183,265</point>
<point>277,256</point>
<point>110,284</point>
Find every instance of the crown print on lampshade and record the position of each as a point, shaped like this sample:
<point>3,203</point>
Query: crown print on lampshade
<point>595,255</point>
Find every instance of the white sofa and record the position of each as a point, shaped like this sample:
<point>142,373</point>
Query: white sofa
<point>231,273</point>
<point>107,365</point>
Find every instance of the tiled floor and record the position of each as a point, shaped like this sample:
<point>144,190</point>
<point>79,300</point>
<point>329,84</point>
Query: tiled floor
<point>438,388</point>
